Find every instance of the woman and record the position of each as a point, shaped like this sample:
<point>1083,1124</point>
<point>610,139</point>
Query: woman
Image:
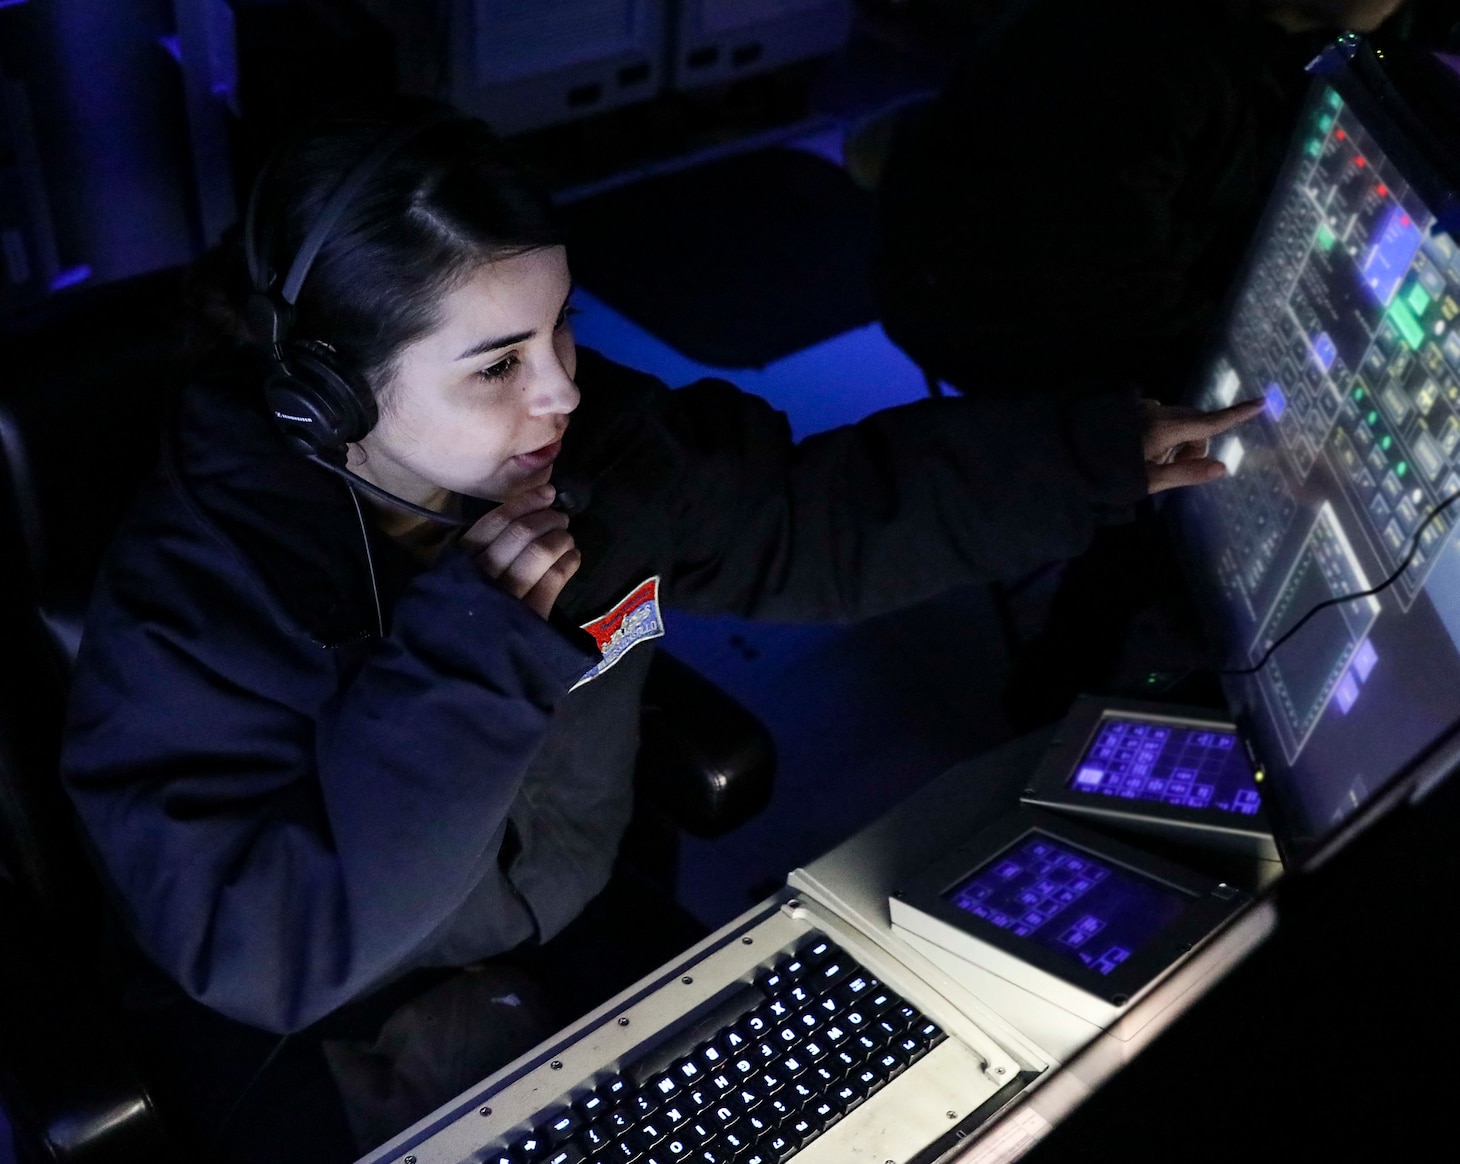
<point>324,746</point>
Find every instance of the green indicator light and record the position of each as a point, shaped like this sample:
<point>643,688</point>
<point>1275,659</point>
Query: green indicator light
<point>1314,148</point>
<point>1325,236</point>
<point>1418,298</point>
<point>1358,393</point>
<point>1385,442</point>
<point>1334,100</point>
<point>1405,321</point>
<point>1402,468</point>
<point>1372,418</point>
<point>1325,123</point>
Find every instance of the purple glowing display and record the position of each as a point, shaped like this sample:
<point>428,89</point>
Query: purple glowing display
<point>1189,767</point>
<point>1069,901</point>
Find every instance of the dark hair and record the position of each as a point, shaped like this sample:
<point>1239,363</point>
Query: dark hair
<point>448,200</point>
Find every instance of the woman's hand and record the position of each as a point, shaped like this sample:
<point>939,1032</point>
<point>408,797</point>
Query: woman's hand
<point>525,548</point>
<point>1176,442</point>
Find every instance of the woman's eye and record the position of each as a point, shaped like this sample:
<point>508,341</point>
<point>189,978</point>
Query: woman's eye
<point>500,370</point>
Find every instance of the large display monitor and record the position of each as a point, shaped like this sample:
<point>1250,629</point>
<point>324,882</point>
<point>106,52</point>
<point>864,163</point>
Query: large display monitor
<point>1347,324</point>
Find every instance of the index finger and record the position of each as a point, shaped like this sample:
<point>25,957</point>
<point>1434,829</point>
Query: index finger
<point>490,526</point>
<point>1180,430</point>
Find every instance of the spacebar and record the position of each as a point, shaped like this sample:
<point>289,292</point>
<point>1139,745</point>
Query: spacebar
<point>725,1008</point>
<point>907,1115</point>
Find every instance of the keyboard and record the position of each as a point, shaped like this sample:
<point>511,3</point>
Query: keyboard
<point>781,1062</point>
<point>785,1046</point>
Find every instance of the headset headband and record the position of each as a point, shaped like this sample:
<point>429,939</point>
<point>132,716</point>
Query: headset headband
<point>335,206</point>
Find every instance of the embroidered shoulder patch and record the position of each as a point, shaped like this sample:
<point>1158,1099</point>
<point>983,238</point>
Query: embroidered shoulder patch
<point>633,621</point>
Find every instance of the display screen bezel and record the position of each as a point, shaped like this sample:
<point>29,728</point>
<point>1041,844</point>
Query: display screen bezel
<point>1210,903</point>
<point>1297,838</point>
<point>1049,786</point>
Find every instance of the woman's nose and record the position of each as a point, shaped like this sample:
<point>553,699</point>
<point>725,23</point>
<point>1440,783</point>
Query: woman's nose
<point>554,393</point>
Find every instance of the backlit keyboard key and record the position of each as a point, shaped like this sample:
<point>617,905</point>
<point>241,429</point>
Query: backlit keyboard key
<point>813,950</point>
<point>676,1115</point>
<point>849,1094</point>
<point>800,995</point>
<point>699,1098</point>
<point>661,1087</point>
<point>931,1033</point>
<point>825,1075</point>
<point>831,973</point>
<point>562,1126</point>
<point>591,1107</point>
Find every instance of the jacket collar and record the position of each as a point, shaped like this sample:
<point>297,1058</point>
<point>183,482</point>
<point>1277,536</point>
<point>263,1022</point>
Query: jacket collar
<point>296,527</point>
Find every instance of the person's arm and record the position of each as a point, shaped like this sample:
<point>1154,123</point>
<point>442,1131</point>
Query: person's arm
<point>912,500</point>
<point>908,502</point>
<point>283,836</point>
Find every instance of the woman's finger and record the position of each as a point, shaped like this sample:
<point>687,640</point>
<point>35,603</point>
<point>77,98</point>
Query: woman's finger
<point>542,596</point>
<point>1178,426</point>
<point>537,558</point>
<point>521,533</point>
<point>490,526</point>
<point>1180,473</point>
<point>1196,451</point>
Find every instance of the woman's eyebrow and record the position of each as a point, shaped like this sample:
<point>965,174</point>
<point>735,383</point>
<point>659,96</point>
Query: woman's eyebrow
<point>492,345</point>
<point>507,341</point>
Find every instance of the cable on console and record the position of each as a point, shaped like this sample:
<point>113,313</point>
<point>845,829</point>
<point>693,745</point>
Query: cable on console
<point>1342,598</point>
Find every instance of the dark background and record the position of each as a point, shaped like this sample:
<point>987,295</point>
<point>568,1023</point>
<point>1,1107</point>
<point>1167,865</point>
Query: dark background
<point>129,135</point>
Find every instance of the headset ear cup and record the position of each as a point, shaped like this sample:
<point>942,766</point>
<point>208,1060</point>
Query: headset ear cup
<point>316,403</point>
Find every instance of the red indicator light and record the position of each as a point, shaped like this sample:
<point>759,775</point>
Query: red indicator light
<point>1338,133</point>
<point>1404,220</point>
<point>1360,161</point>
<point>1382,190</point>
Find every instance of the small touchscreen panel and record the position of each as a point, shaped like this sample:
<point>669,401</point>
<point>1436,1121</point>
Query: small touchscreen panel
<point>1070,901</point>
<point>1185,766</point>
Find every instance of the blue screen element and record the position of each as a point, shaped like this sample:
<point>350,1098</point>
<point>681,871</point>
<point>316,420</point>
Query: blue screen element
<point>1069,901</point>
<point>1324,350</point>
<point>1276,401</point>
<point>1388,258</point>
<point>1189,767</point>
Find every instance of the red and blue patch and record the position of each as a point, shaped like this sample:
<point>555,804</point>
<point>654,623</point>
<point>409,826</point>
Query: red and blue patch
<point>633,621</point>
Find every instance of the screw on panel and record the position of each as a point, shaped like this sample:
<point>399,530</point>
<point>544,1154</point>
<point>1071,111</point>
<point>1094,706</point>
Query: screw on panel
<point>952,1115</point>
<point>687,980</point>
<point>556,1064</point>
<point>623,1021</point>
<point>999,1071</point>
<point>795,903</point>
<point>410,1160</point>
<point>747,941</point>
<point>486,1111</point>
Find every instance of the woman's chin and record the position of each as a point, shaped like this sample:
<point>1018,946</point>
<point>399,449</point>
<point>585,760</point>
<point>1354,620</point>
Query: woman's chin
<point>508,484</point>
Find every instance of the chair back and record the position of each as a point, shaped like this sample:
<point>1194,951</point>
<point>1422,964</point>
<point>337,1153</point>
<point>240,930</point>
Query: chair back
<point>89,375</point>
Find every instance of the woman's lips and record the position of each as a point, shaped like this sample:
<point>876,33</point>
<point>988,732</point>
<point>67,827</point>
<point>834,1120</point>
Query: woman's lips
<point>540,458</point>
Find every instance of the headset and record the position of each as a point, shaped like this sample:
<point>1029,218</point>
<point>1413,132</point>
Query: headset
<point>320,404</point>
